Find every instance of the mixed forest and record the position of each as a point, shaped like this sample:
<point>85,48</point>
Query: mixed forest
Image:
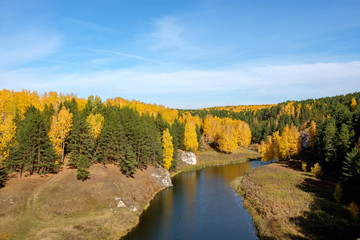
<point>41,133</point>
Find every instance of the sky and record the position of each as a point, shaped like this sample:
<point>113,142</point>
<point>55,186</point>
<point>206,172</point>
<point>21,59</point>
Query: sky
<point>182,53</point>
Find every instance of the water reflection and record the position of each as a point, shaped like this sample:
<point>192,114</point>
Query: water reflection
<point>200,205</point>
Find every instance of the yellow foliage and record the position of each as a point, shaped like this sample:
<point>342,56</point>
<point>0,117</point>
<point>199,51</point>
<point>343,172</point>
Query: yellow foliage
<point>354,210</point>
<point>7,135</point>
<point>190,137</point>
<point>60,129</point>
<point>353,104</point>
<point>96,122</point>
<point>212,128</point>
<point>284,146</point>
<point>153,110</point>
<point>242,108</point>
<point>304,166</point>
<point>168,148</point>
<point>316,170</point>
<point>243,133</point>
<point>227,139</point>
<point>270,149</point>
<point>290,143</point>
<point>289,109</point>
<point>338,193</point>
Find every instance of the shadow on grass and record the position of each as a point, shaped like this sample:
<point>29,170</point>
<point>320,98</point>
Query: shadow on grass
<point>326,218</point>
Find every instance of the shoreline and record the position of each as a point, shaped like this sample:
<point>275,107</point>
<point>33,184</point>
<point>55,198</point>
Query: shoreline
<point>288,204</point>
<point>247,156</point>
<point>62,207</point>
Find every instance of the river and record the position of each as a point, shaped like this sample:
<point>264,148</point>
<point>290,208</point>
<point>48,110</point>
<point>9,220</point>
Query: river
<point>200,205</point>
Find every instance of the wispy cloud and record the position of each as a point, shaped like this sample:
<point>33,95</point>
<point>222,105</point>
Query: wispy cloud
<point>92,26</point>
<point>116,53</point>
<point>281,82</point>
<point>24,47</point>
<point>167,33</point>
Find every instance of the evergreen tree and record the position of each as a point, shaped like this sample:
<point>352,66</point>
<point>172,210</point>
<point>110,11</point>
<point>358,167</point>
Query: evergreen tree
<point>350,176</point>
<point>3,176</point>
<point>34,151</point>
<point>329,143</point>
<point>81,147</point>
<point>129,164</point>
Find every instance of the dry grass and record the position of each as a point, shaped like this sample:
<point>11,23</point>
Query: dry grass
<point>62,207</point>
<point>288,204</point>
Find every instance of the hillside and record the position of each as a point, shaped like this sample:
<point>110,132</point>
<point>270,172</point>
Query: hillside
<point>58,206</point>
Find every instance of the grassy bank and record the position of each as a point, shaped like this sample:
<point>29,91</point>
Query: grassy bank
<point>289,204</point>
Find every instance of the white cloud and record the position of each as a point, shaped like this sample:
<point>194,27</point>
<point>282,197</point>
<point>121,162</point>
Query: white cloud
<point>268,82</point>
<point>167,34</point>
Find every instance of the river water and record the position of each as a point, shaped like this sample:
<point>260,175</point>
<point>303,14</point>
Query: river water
<point>200,205</point>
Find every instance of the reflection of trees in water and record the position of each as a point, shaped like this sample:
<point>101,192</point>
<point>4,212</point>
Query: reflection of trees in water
<point>229,172</point>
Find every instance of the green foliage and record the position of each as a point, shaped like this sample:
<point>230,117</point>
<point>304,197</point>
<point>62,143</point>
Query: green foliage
<point>82,174</point>
<point>350,176</point>
<point>34,151</point>
<point>128,165</point>
<point>3,176</point>
<point>81,144</point>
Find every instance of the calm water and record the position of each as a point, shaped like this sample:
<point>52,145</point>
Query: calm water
<point>200,205</point>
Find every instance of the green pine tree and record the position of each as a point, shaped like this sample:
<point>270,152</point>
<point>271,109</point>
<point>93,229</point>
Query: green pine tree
<point>129,164</point>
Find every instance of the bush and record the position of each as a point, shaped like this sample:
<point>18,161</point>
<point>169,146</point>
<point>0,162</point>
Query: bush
<point>338,193</point>
<point>316,170</point>
<point>304,166</point>
<point>354,210</point>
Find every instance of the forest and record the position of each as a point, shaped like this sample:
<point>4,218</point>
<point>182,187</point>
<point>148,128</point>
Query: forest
<point>40,133</point>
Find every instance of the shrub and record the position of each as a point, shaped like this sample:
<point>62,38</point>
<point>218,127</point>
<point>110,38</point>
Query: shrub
<point>316,170</point>
<point>354,210</point>
<point>304,166</point>
<point>338,193</point>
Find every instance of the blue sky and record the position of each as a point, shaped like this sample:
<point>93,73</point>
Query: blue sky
<point>185,54</point>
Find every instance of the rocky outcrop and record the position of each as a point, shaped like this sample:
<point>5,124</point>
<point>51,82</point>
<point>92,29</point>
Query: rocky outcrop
<point>188,157</point>
<point>163,178</point>
<point>305,138</point>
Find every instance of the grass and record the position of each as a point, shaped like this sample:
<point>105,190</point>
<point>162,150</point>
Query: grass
<point>289,204</point>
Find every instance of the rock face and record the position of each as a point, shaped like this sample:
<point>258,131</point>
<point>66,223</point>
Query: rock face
<point>163,178</point>
<point>188,157</point>
<point>305,138</point>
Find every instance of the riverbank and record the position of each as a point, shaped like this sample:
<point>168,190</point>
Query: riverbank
<point>288,204</point>
<point>209,157</point>
<point>58,206</point>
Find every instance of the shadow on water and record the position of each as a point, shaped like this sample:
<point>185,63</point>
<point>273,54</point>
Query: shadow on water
<point>200,205</point>
<point>326,219</point>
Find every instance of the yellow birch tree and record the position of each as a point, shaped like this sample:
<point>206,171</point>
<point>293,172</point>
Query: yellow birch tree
<point>190,138</point>
<point>60,129</point>
<point>96,122</point>
<point>168,148</point>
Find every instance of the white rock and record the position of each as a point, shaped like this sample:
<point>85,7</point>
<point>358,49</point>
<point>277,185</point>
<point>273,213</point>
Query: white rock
<point>121,204</point>
<point>188,157</point>
<point>163,177</point>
